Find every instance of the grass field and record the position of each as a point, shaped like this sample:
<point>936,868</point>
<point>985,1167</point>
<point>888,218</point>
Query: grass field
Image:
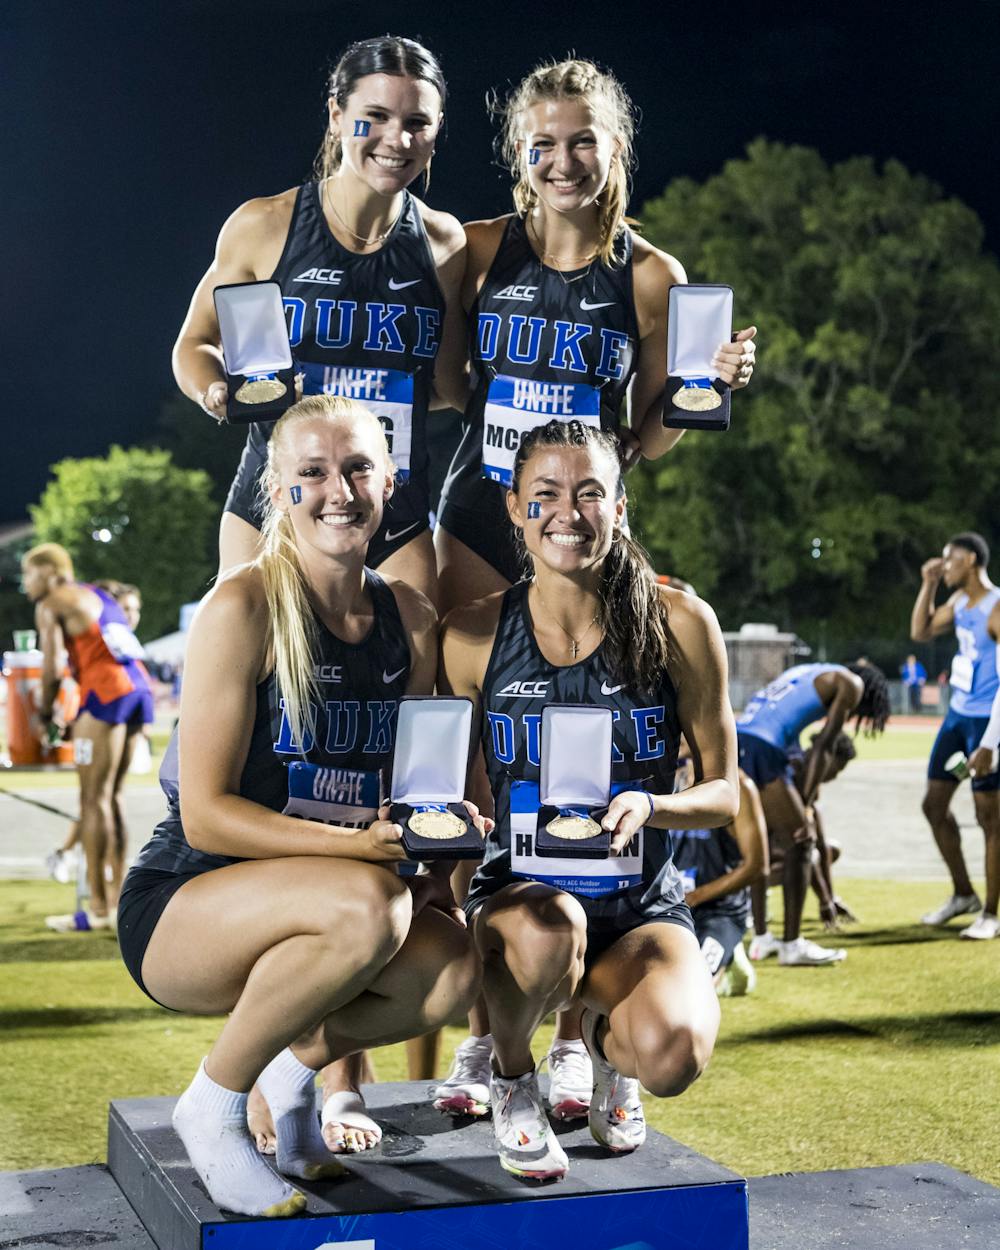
<point>891,1057</point>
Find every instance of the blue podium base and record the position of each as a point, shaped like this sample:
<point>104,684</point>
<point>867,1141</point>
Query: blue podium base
<point>435,1183</point>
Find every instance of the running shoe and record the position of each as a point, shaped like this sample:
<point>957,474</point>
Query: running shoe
<point>82,921</point>
<point>61,865</point>
<point>763,946</point>
<point>957,905</point>
<point>616,1116</point>
<point>982,928</point>
<point>527,1145</point>
<point>571,1079</point>
<point>742,974</point>
<point>466,1088</point>
<point>801,953</point>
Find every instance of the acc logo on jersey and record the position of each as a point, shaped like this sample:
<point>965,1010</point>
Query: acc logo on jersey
<point>517,292</point>
<point>525,690</point>
<point>329,277</point>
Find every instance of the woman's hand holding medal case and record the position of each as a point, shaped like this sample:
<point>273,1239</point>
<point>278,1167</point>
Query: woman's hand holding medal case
<point>699,318</point>
<point>260,373</point>
<point>574,787</point>
<point>428,778</point>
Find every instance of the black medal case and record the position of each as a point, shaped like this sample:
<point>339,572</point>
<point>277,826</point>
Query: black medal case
<point>429,766</point>
<point>575,777</point>
<point>699,318</point>
<point>255,347</point>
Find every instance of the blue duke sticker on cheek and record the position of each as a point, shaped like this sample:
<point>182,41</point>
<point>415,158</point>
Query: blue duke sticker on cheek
<point>361,129</point>
<point>295,494</point>
<point>534,510</point>
<point>534,155</point>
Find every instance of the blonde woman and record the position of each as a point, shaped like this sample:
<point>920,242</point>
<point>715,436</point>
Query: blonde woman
<point>567,310</point>
<point>366,271</point>
<point>268,892</point>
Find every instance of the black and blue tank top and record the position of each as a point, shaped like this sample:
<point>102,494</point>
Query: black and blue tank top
<point>365,326</point>
<point>704,855</point>
<point>546,344</point>
<point>519,682</point>
<point>336,774</point>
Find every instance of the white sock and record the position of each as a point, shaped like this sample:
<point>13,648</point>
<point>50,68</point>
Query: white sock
<point>211,1121</point>
<point>290,1090</point>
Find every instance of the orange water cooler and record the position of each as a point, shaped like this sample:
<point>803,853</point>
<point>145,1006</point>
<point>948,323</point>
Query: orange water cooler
<point>23,673</point>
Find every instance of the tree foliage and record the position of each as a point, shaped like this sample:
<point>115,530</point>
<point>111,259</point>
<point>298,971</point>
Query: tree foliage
<point>867,433</point>
<point>136,517</point>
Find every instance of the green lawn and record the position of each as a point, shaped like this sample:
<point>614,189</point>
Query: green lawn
<point>891,1057</point>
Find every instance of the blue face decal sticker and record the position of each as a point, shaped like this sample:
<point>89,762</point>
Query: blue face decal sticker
<point>295,494</point>
<point>361,129</point>
<point>534,155</point>
<point>534,510</point>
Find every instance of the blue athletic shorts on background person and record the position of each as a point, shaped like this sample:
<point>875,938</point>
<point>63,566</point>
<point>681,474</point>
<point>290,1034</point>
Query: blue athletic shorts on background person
<point>959,733</point>
<point>762,761</point>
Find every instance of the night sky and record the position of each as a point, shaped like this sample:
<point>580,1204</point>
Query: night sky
<point>132,130</point>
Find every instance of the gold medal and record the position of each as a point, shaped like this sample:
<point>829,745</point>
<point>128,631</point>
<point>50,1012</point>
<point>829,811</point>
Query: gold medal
<point>696,398</point>
<point>261,391</point>
<point>573,828</point>
<point>437,825</point>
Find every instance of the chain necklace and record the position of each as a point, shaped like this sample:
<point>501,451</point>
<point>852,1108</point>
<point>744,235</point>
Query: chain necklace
<point>587,260</point>
<point>378,238</point>
<point>575,643</point>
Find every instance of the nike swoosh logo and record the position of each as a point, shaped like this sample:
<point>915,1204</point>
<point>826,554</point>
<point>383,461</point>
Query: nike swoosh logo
<point>401,286</point>
<point>590,307</point>
<point>390,536</point>
<point>606,689</point>
<point>390,677</point>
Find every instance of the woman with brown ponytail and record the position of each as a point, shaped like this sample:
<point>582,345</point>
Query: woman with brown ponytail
<point>592,627</point>
<point>268,891</point>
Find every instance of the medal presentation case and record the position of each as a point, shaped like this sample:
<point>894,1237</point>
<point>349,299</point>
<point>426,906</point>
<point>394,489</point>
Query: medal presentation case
<point>428,778</point>
<point>258,359</point>
<point>699,319</point>
<point>575,782</point>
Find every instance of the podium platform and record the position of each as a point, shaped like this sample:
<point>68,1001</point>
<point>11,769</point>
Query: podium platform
<point>435,1184</point>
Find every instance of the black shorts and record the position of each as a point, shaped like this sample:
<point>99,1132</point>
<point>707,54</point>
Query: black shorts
<point>144,896</point>
<point>718,934</point>
<point>486,530</point>
<point>612,916</point>
<point>406,514</point>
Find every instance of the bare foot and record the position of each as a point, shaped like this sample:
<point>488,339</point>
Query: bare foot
<point>261,1123</point>
<point>345,1124</point>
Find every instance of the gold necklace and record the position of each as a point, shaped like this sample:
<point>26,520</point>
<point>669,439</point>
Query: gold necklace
<point>378,238</point>
<point>587,260</point>
<point>575,643</point>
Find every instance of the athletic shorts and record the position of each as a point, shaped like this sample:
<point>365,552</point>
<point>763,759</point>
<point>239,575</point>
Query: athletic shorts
<point>718,933</point>
<point>144,896</point>
<point>959,733</point>
<point>762,761</point>
<point>133,709</point>
<point>611,917</point>
<point>406,514</point>
<point>486,529</point>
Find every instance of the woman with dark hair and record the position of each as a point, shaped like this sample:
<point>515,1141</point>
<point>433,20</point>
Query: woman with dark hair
<point>591,627</point>
<point>268,891</point>
<point>366,271</point>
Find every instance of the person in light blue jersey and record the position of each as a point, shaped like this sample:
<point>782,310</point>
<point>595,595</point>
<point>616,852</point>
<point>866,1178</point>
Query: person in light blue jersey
<point>769,728</point>
<point>972,726</point>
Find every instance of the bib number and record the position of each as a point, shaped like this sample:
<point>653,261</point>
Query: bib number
<point>961,673</point>
<point>335,796</point>
<point>515,406</point>
<point>386,392</point>
<point>121,642</point>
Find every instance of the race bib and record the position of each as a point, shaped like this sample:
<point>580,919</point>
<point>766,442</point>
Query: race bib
<point>121,642</point>
<point>689,879</point>
<point>387,392</point>
<point>961,673</point>
<point>335,796</point>
<point>591,877</point>
<point>515,406</point>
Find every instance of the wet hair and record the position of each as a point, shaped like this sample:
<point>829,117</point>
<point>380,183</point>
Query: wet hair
<point>54,555</point>
<point>873,711</point>
<point>975,543</point>
<point>386,54</point>
<point>607,99</point>
<point>631,614</point>
<point>293,622</point>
